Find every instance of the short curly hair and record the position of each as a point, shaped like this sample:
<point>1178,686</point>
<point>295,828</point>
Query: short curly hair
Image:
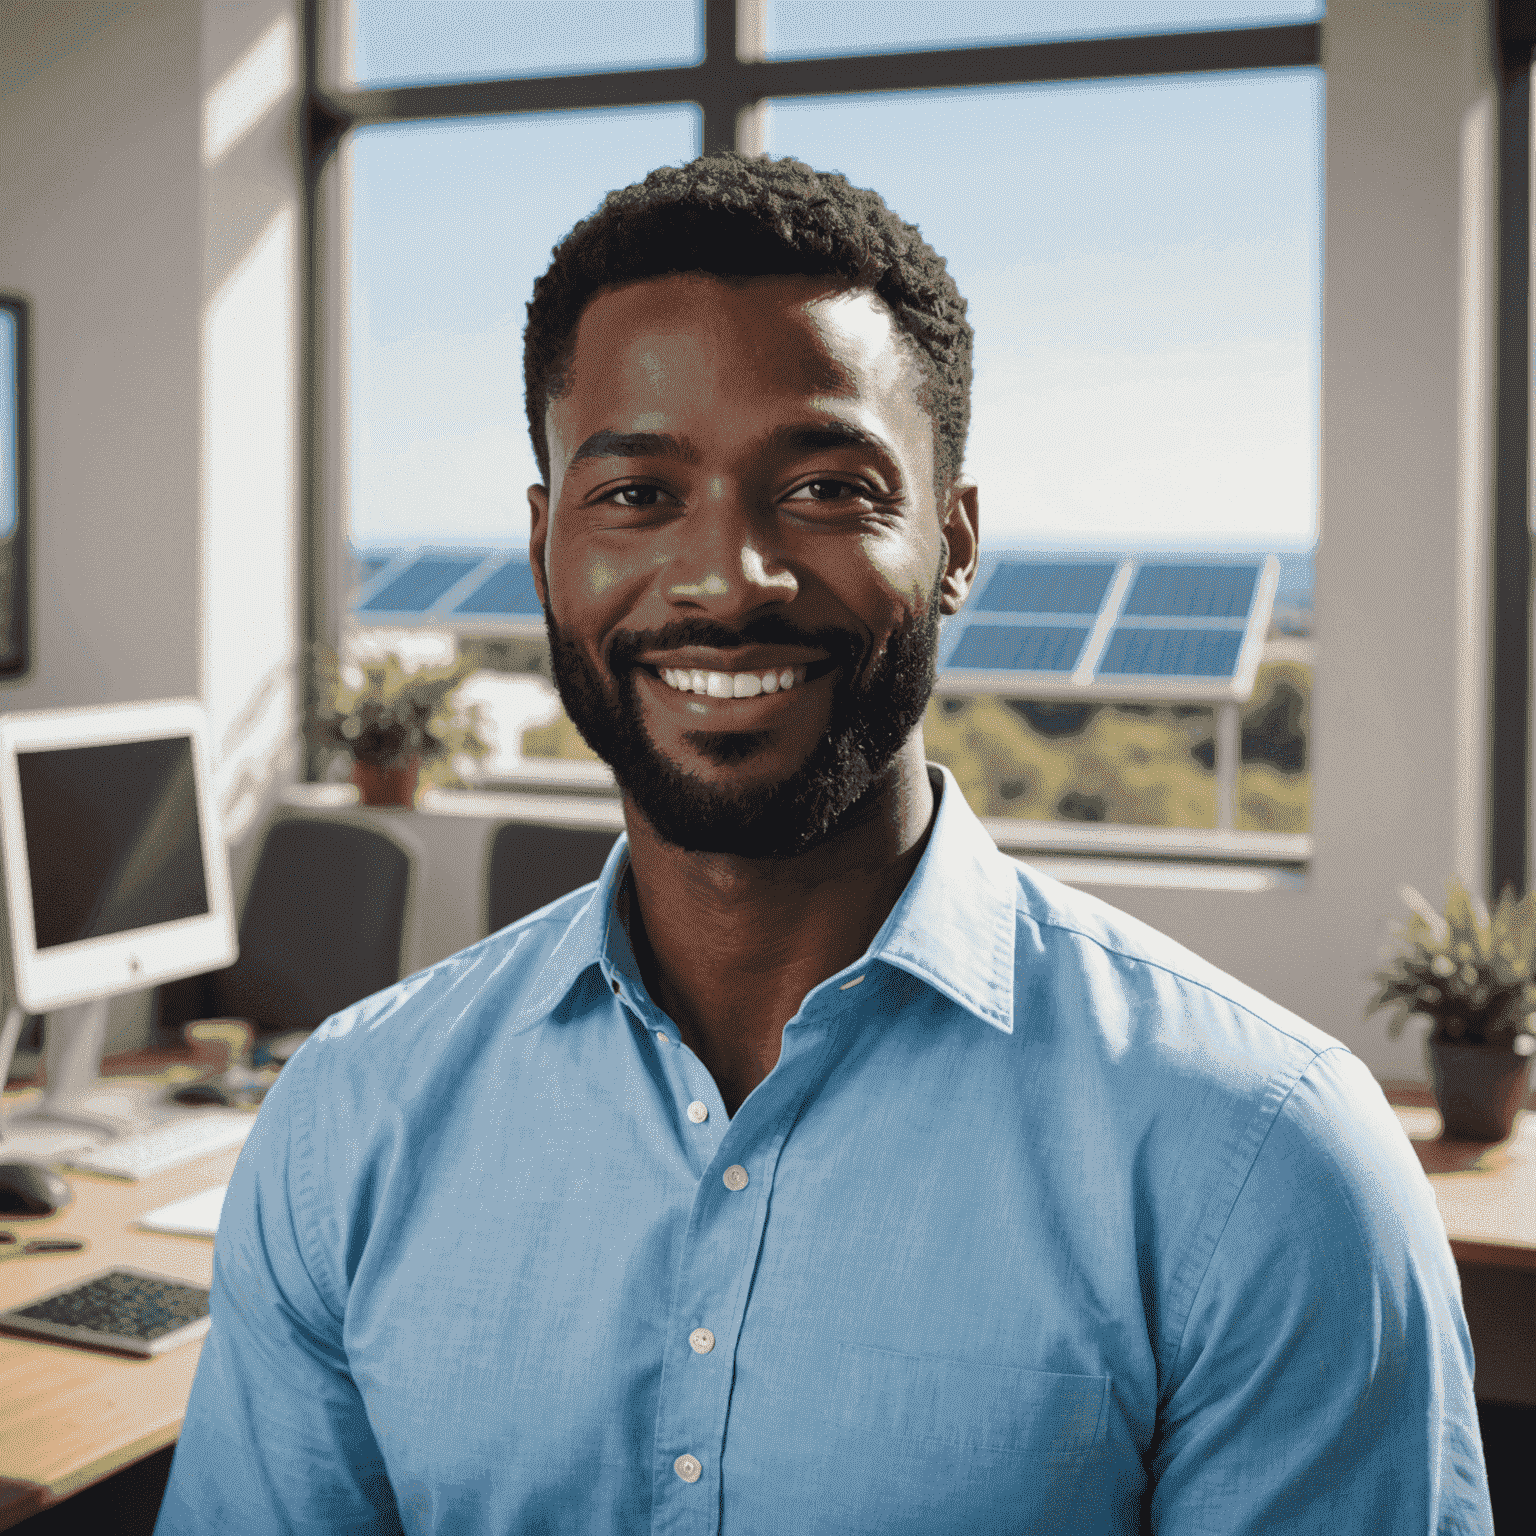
<point>734,215</point>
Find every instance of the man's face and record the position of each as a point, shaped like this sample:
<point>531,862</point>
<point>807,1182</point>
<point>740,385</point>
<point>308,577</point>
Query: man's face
<point>740,555</point>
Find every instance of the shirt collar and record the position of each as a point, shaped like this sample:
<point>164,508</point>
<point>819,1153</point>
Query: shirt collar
<point>953,926</point>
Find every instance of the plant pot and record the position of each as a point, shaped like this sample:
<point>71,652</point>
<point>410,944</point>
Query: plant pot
<point>1479,1088</point>
<point>387,786</point>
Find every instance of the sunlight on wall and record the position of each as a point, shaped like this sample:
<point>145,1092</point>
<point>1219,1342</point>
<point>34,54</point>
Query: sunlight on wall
<point>249,535</point>
<point>249,90</point>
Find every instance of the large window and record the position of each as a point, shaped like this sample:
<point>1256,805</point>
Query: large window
<point>1139,240</point>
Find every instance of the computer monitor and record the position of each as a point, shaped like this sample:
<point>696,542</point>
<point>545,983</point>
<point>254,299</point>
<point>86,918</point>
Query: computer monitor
<point>115,874</point>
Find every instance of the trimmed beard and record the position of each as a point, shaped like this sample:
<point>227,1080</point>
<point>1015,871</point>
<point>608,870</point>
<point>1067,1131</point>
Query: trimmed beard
<point>869,722</point>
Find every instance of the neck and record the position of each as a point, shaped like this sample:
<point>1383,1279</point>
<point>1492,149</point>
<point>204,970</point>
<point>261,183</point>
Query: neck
<point>729,946</point>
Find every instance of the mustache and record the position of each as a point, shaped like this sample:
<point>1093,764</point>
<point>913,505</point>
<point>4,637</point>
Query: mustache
<point>771,629</point>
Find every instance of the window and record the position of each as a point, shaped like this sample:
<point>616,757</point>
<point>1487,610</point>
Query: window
<point>1136,223</point>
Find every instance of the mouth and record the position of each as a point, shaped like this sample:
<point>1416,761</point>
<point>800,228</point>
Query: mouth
<point>747,683</point>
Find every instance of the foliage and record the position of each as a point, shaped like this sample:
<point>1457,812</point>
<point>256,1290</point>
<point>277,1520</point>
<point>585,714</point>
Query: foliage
<point>557,739</point>
<point>1469,974</point>
<point>384,716</point>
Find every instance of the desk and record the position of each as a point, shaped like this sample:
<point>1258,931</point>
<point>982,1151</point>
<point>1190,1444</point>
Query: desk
<point>70,1416</point>
<point>1487,1200</point>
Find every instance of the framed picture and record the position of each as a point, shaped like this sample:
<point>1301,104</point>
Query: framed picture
<point>15,487</point>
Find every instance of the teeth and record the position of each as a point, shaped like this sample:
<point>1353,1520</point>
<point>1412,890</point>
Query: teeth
<point>731,685</point>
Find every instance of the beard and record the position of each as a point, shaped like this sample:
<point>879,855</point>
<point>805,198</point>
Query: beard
<point>869,721</point>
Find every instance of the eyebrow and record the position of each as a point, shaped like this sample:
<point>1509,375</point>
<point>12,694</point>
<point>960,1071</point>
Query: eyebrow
<point>635,445</point>
<point>806,438</point>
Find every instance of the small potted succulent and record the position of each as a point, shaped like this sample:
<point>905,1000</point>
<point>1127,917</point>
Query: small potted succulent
<point>1470,977</point>
<point>392,723</point>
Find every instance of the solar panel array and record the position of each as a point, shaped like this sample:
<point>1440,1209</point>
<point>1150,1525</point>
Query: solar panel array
<point>1126,627</point>
<point>468,591</point>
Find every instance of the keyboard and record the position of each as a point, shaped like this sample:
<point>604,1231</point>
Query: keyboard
<point>125,1309</point>
<point>143,1154</point>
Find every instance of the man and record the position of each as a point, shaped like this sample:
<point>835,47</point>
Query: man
<point>821,1169</point>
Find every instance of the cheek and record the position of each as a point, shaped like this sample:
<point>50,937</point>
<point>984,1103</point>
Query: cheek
<point>898,577</point>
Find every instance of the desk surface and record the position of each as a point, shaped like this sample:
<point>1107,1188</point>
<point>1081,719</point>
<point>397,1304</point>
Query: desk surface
<point>71,1416</point>
<point>1486,1195</point>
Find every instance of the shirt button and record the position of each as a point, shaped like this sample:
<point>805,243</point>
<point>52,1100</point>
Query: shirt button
<point>688,1468</point>
<point>735,1177</point>
<point>701,1340</point>
<point>698,1112</point>
<point>663,1038</point>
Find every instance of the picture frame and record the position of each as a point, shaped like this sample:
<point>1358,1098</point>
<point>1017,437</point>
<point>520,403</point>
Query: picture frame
<point>15,486</point>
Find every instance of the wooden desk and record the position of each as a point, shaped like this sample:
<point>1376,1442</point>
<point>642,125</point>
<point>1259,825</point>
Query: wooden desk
<point>71,1416</point>
<point>1487,1200</point>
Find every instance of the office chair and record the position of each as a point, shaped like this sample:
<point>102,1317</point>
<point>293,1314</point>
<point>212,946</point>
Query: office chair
<point>531,866</point>
<point>322,926</point>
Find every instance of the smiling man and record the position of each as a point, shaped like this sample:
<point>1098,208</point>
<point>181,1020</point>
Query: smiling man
<point>819,1169</point>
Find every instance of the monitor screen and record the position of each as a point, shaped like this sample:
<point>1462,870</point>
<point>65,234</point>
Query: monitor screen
<point>112,838</point>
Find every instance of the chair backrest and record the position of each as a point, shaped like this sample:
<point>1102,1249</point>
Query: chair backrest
<point>531,866</point>
<point>322,925</point>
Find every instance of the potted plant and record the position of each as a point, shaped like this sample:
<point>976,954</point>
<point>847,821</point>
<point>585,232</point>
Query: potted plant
<point>392,723</point>
<point>1470,977</point>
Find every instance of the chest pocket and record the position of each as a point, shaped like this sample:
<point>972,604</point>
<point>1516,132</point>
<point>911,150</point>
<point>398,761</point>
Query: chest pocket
<point>1053,1419</point>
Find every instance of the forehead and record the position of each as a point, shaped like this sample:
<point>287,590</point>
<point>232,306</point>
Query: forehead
<point>654,347</point>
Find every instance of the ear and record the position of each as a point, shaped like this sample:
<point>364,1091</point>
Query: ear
<point>961,529</point>
<point>538,507</point>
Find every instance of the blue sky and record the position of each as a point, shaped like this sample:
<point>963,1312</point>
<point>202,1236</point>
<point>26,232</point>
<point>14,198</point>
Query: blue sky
<point>1142,261</point>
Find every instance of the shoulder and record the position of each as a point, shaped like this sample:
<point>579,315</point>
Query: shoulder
<point>514,974</point>
<point>1140,992</point>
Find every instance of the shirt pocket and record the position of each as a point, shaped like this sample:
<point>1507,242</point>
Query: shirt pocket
<point>1049,1417</point>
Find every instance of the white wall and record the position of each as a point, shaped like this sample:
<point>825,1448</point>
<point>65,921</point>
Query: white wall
<point>164,346</point>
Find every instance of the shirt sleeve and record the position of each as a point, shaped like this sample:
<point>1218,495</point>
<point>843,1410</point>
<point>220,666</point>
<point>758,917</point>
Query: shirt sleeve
<point>1324,1378</point>
<point>276,1436</point>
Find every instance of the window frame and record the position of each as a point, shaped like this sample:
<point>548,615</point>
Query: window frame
<point>729,85</point>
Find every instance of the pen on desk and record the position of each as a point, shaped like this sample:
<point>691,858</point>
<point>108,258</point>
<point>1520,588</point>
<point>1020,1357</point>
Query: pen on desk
<point>12,1247</point>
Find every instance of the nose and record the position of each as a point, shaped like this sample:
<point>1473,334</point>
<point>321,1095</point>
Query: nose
<point>726,562</point>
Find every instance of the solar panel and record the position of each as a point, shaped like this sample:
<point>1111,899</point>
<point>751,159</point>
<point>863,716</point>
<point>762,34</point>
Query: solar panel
<point>1137,652</point>
<point>1033,586</point>
<point>1126,627</point>
<point>420,585</point>
<point>508,590</point>
<point>1020,647</point>
<point>1192,591</point>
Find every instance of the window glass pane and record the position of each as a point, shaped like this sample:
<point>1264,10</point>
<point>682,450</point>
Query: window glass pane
<point>406,42</point>
<point>811,28</point>
<point>1142,264</point>
<point>451,223</point>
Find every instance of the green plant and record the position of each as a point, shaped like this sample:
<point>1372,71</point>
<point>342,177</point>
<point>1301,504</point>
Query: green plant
<point>381,715</point>
<point>1469,974</point>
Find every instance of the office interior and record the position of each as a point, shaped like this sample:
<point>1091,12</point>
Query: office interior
<point>186,479</point>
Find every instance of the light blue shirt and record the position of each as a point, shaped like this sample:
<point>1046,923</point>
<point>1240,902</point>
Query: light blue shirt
<point>1046,1226</point>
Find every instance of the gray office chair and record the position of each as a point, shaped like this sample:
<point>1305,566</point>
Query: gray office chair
<point>322,926</point>
<point>531,866</point>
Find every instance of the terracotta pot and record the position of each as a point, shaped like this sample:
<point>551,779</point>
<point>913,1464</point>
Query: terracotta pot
<point>1479,1088</point>
<point>387,786</point>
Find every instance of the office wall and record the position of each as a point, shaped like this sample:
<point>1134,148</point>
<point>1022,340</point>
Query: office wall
<point>162,279</point>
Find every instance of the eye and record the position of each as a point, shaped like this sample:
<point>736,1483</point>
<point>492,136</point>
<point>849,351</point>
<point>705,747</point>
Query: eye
<point>827,490</point>
<point>636,495</point>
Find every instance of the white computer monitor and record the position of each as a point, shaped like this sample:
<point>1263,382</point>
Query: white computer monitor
<point>115,871</point>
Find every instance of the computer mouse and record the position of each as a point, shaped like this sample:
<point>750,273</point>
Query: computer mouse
<point>203,1093</point>
<point>29,1189</point>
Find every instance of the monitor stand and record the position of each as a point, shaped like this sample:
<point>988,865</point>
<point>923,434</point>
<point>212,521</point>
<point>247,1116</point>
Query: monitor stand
<point>72,1044</point>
